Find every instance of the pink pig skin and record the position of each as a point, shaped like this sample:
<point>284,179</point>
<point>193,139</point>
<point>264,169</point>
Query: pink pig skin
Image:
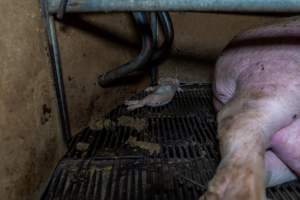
<point>257,93</point>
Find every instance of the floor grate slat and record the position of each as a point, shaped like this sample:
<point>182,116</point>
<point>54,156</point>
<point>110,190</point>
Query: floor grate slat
<point>102,165</point>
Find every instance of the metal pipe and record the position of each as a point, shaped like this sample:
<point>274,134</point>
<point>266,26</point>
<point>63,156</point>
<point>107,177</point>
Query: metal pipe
<point>167,28</point>
<point>179,5</point>
<point>153,72</point>
<point>161,52</point>
<point>147,49</point>
<point>57,73</point>
<point>151,55</point>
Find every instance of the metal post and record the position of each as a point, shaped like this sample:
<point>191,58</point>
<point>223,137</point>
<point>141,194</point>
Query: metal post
<point>153,67</point>
<point>179,5</point>
<point>57,73</point>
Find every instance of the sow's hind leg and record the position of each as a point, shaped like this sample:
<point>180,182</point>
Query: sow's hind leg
<point>245,126</point>
<point>277,172</point>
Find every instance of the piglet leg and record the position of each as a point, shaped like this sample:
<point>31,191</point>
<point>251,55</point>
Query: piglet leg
<point>134,104</point>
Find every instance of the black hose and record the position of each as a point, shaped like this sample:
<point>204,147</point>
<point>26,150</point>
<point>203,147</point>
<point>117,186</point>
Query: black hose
<point>167,28</point>
<point>151,55</point>
<point>139,61</point>
<point>153,71</point>
<point>161,52</point>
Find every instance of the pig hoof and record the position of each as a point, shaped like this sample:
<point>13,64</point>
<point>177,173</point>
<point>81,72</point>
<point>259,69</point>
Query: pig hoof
<point>235,180</point>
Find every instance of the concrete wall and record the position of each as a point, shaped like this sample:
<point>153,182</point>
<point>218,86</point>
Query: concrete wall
<point>30,143</point>
<point>29,138</point>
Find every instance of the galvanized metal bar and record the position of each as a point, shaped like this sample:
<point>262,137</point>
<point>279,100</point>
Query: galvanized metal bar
<point>57,73</point>
<point>178,5</point>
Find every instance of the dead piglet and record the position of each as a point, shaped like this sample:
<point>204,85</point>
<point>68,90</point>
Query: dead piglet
<point>161,95</point>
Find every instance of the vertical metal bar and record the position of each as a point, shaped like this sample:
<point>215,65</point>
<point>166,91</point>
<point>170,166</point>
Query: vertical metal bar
<point>153,66</point>
<point>57,73</point>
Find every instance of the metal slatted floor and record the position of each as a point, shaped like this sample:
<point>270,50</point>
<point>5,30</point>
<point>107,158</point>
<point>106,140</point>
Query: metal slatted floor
<point>102,165</point>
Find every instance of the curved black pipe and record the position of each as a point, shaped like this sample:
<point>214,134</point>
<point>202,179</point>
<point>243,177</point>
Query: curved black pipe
<point>151,55</point>
<point>160,52</point>
<point>168,30</point>
<point>139,61</point>
<point>153,71</point>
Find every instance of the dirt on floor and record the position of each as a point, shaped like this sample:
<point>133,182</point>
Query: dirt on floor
<point>147,146</point>
<point>138,124</point>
